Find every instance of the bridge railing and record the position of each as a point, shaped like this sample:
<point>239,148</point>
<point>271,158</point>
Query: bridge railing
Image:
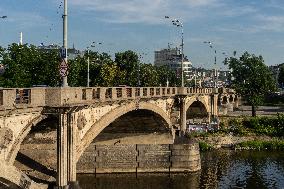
<point>77,95</point>
<point>22,97</point>
<point>41,96</point>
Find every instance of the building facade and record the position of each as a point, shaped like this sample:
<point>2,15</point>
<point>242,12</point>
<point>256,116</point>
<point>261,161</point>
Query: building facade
<point>171,57</point>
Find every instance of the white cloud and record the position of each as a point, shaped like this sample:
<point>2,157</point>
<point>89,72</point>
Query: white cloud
<point>143,11</point>
<point>271,23</point>
<point>238,11</point>
<point>26,19</point>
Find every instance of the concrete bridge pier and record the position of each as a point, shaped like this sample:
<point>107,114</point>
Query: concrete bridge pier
<point>183,115</point>
<point>66,151</point>
<point>214,107</point>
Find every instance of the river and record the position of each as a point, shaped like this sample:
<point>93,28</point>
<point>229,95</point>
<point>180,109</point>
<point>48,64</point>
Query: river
<point>220,169</point>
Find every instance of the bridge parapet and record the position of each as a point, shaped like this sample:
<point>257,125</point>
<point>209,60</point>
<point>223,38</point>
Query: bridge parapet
<point>11,98</point>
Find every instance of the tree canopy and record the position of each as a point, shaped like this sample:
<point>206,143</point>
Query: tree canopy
<point>251,78</point>
<point>26,65</point>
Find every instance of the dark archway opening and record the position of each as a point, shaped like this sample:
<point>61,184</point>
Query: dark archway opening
<point>231,99</point>
<point>138,126</point>
<point>197,113</point>
<point>225,100</point>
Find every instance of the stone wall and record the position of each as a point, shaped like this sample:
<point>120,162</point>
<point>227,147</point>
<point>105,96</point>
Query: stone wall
<point>41,159</point>
<point>140,158</point>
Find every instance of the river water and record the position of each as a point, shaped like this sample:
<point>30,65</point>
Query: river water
<point>220,169</point>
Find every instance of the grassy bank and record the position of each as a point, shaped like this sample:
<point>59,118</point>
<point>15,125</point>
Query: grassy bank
<point>261,145</point>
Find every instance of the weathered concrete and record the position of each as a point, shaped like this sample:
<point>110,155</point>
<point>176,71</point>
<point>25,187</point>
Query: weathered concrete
<point>12,177</point>
<point>83,113</point>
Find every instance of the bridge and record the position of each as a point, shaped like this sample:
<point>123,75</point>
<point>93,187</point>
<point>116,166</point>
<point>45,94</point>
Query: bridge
<point>86,115</point>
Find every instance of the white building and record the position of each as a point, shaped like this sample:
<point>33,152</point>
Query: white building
<point>171,57</point>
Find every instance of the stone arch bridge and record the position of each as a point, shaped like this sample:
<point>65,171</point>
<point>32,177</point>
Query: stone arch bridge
<point>83,113</point>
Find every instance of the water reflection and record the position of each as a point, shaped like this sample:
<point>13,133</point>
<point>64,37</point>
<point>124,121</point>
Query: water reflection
<point>220,169</point>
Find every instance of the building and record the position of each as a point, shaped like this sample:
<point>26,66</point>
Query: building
<point>171,57</point>
<point>72,52</point>
<point>275,70</point>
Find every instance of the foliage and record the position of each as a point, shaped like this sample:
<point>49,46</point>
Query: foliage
<point>26,65</point>
<point>272,126</point>
<point>128,62</point>
<point>237,127</point>
<point>251,78</point>
<point>203,146</point>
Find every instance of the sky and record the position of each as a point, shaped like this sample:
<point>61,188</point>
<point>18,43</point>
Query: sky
<point>256,26</point>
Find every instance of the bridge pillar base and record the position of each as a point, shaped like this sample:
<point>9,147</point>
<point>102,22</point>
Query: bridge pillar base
<point>62,187</point>
<point>74,185</point>
<point>71,185</point>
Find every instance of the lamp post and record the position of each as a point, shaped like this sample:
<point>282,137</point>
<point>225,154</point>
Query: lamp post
<point>88,61</point>
<point>88,69</point>
<point>215,77</point>
<point>64,16</point>
<point>179,24</point>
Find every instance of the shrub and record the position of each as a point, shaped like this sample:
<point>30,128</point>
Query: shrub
<point>203,146</point>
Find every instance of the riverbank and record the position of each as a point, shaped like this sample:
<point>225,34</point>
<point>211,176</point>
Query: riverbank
<point>240,142</point>
<point>250,133</point>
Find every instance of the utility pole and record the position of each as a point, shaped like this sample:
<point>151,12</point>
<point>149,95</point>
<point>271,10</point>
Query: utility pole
<point>215,74</point>
<point>88,72</point>
<point>182,57</point>
<point>65,45</point>
<point>178,24</point>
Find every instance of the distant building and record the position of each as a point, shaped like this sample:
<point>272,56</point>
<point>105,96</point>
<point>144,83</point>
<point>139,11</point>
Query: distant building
<point>171,57</point>
<point>275,70</point>
<point>72,52</point>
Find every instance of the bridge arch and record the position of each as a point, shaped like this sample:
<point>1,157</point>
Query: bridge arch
<point>199,100</point>
<point>116,113</point>
<point>20,138</point>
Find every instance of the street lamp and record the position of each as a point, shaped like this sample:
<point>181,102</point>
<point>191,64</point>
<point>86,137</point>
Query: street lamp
<point>88,61</point>
<point>64,16</point>
<point>179,24</point>
<point>215,77</point>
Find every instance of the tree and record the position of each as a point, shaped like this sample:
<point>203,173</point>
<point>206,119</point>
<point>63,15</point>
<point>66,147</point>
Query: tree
<point>26,66</point>
<point>128,62</point>
<point>252,78</point>
<point>166,74</point>
<point>281,75</point>
<point>148,76</point>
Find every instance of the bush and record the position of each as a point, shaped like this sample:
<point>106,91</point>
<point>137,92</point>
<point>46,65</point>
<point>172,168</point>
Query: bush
<point>237,127</point>
<point>271,126</point>
<point>203,146</point>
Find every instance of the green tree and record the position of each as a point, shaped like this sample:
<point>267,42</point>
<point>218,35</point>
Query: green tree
<point>128,62</point>
<point>149,76</point>
<point>166,74</point>
<point>251,78</point>
<point>26,66</point>
<point>79,66</point>
<point>281,75</point>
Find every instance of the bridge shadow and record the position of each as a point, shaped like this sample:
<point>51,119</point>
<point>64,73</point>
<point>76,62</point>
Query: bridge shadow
<point>36,166</point>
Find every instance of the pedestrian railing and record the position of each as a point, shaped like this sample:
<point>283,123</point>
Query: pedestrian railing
<point>48,96</point>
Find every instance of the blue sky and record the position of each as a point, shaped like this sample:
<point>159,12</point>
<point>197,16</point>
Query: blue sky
<point>256,26</point>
